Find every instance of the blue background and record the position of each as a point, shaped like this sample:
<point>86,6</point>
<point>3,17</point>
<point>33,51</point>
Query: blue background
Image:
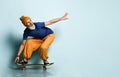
<point>86,45</point>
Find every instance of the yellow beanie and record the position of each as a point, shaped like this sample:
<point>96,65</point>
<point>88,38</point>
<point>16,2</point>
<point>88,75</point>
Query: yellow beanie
<point>24,19</point>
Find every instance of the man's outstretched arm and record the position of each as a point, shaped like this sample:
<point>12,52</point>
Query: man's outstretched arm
<point>50,22</point>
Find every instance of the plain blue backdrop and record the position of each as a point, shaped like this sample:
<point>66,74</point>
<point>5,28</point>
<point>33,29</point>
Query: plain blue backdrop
<point>86,45</point>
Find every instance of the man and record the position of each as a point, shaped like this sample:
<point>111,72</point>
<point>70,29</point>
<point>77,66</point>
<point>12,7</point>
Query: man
<point>43,37</point>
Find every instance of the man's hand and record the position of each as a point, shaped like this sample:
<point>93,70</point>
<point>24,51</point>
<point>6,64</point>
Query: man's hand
<point>16,59</point>
<point>64,17</point>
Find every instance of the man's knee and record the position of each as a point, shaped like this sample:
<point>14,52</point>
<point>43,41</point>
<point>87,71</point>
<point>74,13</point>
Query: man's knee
<point>43,47</point>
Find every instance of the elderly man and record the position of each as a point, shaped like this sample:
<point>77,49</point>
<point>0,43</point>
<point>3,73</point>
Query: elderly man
<point>42,38</point>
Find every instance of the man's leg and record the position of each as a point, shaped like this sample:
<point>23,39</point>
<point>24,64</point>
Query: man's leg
<point>30,46</point>
<point>43,52</point>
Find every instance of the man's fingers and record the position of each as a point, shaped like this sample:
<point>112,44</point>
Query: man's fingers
<point>16,60</point>
<point>66,14</point>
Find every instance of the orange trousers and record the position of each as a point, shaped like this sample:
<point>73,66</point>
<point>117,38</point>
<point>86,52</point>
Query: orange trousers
<point>35,43</point>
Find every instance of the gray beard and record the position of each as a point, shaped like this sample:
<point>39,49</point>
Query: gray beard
<point>32,27</point>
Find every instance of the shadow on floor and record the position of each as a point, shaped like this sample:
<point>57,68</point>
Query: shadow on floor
<point>14,42</point>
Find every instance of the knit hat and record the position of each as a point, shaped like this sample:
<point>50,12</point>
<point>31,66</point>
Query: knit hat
<point>24,19</point>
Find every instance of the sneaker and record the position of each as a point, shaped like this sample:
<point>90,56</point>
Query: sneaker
<point>22,62</point>
<point>46,62</point>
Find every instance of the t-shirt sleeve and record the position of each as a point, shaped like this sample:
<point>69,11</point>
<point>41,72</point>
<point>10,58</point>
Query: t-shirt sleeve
<point>25,35</point>
<point>41,24</point>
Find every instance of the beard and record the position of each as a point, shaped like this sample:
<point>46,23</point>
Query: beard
<point>32,27</point>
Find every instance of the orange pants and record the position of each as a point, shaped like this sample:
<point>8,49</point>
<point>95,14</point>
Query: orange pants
<point>35,43</point>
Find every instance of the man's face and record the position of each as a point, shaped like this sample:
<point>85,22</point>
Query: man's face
<point>29,23</point>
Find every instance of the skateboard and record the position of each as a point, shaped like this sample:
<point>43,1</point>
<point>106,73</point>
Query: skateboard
<point>43,65</point>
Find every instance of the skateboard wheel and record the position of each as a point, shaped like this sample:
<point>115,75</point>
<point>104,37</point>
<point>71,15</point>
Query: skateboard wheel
<point>44,68</point>
<point>23,68</point>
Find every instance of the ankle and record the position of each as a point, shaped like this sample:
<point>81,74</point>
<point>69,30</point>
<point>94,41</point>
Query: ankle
<point>45,62</point>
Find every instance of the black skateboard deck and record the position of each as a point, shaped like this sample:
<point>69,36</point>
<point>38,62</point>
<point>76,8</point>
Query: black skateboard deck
<point>43,65</point>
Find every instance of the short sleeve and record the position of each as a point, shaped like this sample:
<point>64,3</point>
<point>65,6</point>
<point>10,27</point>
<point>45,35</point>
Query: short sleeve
<point>25,35</point>
<point>41,24</point>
